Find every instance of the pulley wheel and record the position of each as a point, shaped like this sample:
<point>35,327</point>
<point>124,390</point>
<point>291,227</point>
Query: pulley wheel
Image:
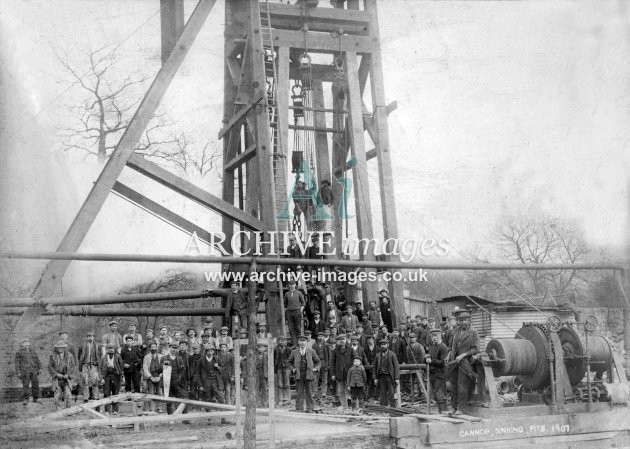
<point>573,351</point>
<point>590,323</point>
<point>554,323</point>
<point>539,376</point>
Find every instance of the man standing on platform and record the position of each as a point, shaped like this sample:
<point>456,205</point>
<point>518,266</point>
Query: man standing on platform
<point>463,376</point>
<point>111,370</point>
<point>28,367</point>
<point>436,358</point>
<point>88,357</point>
<point>236,304</point>
<point>294,306</point>
<point>386,310</point>
<point>387,374</point>
<point>304,363</point>
<point>113,337</point>
<point>152,368</point>
<point>370,350</point>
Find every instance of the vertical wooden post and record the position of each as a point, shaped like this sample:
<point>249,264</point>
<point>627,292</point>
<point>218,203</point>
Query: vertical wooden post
<point>272,398</point>
<point>321,138</point>
<point>251,375</point>
<point>237,391</point>
<point>383,154</point>
<point>626,288</point>
<point>361,185</point>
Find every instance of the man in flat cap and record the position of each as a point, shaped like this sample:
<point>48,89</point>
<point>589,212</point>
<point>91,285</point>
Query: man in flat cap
<point>320,383</point>
<point>465,345</point>
<point>28,367</point>
<point>111,370</point>
<point>88,356</point>
<point>226,371</point>
<point>70,349</point>
<point>316,325</point>
<point>208,378</point>
<point>62,368</point>
<point>135,336</point>
<point>374,314</point>
<point>152,370</point>
<point>132,358</point>
<point>223,337</point>
<point>370,349</point>
<point>304,363</point>
<point>283,370</point>
<point>436,359</point>
<point>386,310</point>
<point>294,306</point>
<point>193,366</point>
<point>236,304</point>
<point>349,322</point>
<point>113,337</point>
<point>387,374</point>
<point>340,363</point>
<point>179,375</point>
<point>415,355</point>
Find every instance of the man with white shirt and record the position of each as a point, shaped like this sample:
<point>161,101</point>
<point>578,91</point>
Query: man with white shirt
<point>304,363</point>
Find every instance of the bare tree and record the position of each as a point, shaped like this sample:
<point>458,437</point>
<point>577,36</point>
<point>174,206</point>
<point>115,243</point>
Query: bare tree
<point>102,111</point>
<point>532,241</point>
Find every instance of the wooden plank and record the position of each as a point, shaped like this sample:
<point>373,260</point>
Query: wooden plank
<point>238,435</point>
<point>162,212</point>
<point>329,15</point>
<point>52,426</point>
<point>361,185</point>
<point>79,408</point>
<point>435,418</point>
<point>236,118</point>
<point>240,158</point>
<point>171,24</point>
<point>94,412</point>
<point>271,394</point>
<point>54,271</point>
<point>192,192</point>
<point>383,154</point>
<point>321,42</point>
<point>282,158</point>
<point>180,408</point>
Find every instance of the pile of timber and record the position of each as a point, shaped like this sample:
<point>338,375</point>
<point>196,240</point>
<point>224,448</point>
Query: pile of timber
<point>52,422</point>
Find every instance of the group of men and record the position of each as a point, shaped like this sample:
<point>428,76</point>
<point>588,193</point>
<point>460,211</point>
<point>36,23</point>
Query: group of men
<point>357,354</point>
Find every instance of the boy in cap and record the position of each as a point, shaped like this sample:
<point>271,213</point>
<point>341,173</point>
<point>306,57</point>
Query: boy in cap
<point>463,378</point>
<point>340,363</point>
<point>28,367</point>
<point>304,363</point>
<point>436,358</point>
<point>283,370</point>
<point>387,374</point>
<point>152,369</point>
<point>131,358</point>
<point>88,357</point>
<point>356,381</point>
<point>61,367</point>
<point>112,337</point>
<point>111,369</point>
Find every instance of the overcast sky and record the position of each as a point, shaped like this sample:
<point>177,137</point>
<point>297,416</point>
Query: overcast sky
<point>503,108</point>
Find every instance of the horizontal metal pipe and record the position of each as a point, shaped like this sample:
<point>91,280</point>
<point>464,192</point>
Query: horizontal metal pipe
<point>161,258</point>
<point>111,311</point>
<point>113,299</point>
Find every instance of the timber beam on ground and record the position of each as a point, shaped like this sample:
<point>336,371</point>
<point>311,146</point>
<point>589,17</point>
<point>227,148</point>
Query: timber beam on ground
<point>193,192</point>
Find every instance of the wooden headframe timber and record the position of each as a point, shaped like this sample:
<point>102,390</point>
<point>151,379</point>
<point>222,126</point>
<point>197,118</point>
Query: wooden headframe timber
<point>55,269</point>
